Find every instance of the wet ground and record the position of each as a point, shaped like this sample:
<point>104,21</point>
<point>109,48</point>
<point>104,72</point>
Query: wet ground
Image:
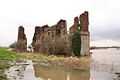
<point>21,71</point>
<point>28,71</point>
<point>59,73</point>
<point>105,64</point>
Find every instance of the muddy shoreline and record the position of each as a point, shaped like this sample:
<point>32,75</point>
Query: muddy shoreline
<point>68,63</point>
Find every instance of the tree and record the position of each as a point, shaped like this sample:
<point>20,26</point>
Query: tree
<point>13,45</point>
<point>76,42</point>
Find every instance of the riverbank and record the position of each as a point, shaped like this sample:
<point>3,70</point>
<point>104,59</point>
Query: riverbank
<point>69,62</point>
<point>75,63</point>
<point>4,64</point>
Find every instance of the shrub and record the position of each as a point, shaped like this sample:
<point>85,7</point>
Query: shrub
<point>76,43</point>
<point>13,45</point>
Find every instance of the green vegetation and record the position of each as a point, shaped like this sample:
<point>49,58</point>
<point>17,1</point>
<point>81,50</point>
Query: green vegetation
<point>13,45</point>
<point>40,57</point>
<point>81,62</point>
<point>7,55</point>
<point>3,65</point>
<point>76,42</point>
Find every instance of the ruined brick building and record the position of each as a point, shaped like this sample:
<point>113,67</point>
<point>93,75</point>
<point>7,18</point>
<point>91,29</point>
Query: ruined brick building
<point>21,45</point>
<point>52,40</point>
<point>83,20</point>
<point>56,39</point>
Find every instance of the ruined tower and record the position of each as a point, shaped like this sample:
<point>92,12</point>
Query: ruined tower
<point>21,45</point>
<point>83,21</point>
<point>55,39</point>
<point>36,38</point>
<point>85,35</point>
<point>75,25</point>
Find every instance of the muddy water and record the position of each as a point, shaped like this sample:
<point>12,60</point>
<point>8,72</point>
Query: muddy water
<point>21,71</point>
<point>28,71</point>
<point>59,73</point>
<point>105,64</point>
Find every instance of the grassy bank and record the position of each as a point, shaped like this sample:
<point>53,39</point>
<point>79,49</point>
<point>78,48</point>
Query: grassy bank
<point>81,62</point>
<point>4,64</point>
<point>73,62</point>
<point>5,54</point>
<point>5,57</point>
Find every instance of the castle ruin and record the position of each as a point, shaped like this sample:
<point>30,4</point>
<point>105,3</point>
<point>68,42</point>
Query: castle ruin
<point>83,20</point>
<point>21,45</point>
<point>52,40</point>
<point>56,39</point>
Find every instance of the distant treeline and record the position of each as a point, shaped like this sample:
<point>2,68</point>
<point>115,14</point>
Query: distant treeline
<point>95,47</point>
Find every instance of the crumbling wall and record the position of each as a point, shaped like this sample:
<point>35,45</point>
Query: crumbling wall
<point>85,35</point>
<point>83,21</point>
<point>55,39</point>
<point>36,39</point>
<point>74,27</point>
<point>51,40</point>
<point>21,41</point>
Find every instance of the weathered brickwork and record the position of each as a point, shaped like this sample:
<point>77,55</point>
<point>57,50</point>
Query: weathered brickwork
<point>55,39</point>
<point>21,45</point>
<point>52,40</point>
<point>83,21</point>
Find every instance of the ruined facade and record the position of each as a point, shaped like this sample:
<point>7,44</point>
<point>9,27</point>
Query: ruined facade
<point>52,40</point>
<point>21,45</point>
<point>83,21</point>
<point>55,39</point>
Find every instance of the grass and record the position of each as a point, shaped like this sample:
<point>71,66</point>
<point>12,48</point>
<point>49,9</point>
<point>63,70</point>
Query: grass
<point>7,55</point>
<point>4,64</point>
<point>40,57</point>
<point>82,62</point>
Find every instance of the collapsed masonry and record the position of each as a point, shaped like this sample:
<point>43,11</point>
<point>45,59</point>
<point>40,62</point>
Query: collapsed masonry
<point>21,45</point>
<point>56,39</point>
<point>52,40</point>
<point>83,20</point>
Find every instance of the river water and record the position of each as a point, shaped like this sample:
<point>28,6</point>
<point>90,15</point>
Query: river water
<point>58,73</point>
<point>105,65</point>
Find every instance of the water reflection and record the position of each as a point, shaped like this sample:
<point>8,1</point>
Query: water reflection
<point>59,73</point>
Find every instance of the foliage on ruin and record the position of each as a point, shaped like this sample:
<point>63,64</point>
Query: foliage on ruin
<point>76,42</point>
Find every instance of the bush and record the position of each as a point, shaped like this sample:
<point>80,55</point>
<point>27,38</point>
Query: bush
<point>13,45</point>
<point>76,43</point>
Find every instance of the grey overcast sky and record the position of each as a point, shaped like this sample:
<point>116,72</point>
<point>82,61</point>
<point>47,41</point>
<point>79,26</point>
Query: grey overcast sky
<point>104,17</point>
